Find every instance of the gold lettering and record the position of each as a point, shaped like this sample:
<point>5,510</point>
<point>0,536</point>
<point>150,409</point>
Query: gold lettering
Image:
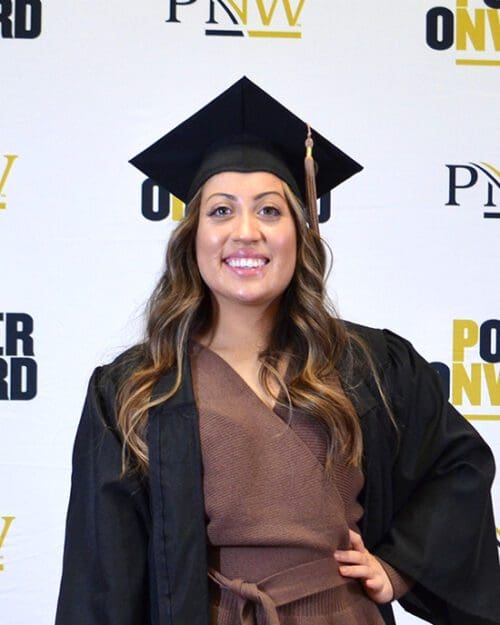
<point>267,16</point>
<point>494,22</point>
<point>7,521</point>
<point>177,207</point>
<point>293,18</point>
<point>474,30</point>
<point>493,383</point>
<point>493,169</point>
<point>10,160</point>
<point>465,334</point>
<point>242,11</point>
<point>462,382</point>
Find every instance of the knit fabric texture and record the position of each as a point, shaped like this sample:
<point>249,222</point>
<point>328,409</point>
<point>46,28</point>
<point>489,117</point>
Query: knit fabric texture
<point>271,509</point>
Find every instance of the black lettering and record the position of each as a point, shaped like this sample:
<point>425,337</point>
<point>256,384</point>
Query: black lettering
<point>28,28</point>
<point>4,385</point>
<point>453,185</point>
<point>493,4</point>
<point>325,208</point>
<point>23,389</point>
<point>444,375</point>
<point>173,9</point>
<point>490,201</point>
<point>440,19</point>
<point>491,180</point>
<point>151,209</point>
<point>489,340</point>
<point>5,21</point>
<point>15,334</point>
<point>211,18</point>
<point>1,348</point>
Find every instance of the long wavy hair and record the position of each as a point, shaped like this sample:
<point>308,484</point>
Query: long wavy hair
<point>307,334</point>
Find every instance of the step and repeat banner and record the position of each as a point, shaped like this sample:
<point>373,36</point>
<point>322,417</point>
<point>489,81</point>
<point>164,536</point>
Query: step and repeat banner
<point>410,90</point>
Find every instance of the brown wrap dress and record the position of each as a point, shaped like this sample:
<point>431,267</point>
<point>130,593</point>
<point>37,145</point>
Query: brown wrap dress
<point>273,518</point>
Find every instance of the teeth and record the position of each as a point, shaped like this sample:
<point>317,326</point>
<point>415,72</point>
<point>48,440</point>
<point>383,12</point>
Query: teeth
<point>246,262</point>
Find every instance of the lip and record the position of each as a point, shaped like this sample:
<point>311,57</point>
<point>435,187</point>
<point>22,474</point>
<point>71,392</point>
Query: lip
<point>242,255</point>
<point>245,254</point>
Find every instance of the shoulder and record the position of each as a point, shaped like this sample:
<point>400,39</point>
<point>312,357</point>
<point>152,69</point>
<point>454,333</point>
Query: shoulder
<point>117,371</point>
<point>385,347</point>
<point>106,381</point>
<point>405,375</point>
<point>372,338</point>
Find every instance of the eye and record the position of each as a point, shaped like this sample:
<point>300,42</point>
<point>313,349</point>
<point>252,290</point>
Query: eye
<point>270,211</point>
<point>219,211</point>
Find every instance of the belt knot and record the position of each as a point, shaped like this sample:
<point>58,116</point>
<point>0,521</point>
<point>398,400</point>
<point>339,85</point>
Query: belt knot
<point>245,590</point>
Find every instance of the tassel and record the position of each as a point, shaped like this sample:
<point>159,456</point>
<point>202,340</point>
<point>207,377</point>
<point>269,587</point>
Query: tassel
<point>310,174</point>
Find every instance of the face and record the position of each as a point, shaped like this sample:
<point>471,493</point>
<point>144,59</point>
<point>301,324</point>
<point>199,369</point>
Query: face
<point>246,239</point>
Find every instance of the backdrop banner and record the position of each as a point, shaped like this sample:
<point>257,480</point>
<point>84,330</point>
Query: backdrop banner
<point>410,90</point>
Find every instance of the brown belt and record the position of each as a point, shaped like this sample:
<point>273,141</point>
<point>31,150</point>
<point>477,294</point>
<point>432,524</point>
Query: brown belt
<point>284,587</point>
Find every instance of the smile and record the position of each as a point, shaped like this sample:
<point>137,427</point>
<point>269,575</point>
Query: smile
<point>246,262</point>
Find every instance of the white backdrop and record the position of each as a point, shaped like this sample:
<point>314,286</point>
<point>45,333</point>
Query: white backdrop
<point>86,85</point>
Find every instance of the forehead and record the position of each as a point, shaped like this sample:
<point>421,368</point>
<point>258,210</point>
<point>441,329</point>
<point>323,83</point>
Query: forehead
<point>242,184</point>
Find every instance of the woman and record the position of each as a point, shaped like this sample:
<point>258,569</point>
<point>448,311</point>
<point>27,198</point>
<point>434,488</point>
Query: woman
<point>256,460</point>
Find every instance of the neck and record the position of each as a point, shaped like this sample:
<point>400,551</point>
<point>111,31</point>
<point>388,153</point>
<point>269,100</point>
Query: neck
<point>238,334</point>
<point>240,329</point>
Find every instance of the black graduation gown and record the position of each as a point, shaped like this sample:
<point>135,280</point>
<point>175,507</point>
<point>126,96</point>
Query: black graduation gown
<point>135,552</point>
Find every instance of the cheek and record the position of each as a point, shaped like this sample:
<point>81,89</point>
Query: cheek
<point>200,252</point>
<point>203,245</point>
<point>292,263</point>
<point>208,253</point>
<point>208,242</point>
<point>289,252</point>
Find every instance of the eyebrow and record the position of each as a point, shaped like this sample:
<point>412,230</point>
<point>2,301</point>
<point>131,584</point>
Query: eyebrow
<point>259,196</point>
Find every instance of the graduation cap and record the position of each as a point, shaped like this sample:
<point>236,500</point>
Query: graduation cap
<point>244,129</point>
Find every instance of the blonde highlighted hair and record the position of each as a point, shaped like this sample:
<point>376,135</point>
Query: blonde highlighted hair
<point>307,334</point>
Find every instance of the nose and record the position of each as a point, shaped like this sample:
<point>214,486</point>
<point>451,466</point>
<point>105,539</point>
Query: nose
<point>247,227</point>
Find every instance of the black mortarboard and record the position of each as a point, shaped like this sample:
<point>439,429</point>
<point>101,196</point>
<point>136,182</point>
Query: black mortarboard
<point>243,129</point>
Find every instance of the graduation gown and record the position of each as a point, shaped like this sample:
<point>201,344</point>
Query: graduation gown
<point>135,550</point>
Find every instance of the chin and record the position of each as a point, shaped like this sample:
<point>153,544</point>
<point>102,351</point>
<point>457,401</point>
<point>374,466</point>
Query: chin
<point>248,299</point>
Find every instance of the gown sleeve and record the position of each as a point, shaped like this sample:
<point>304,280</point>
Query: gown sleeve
<point>442,534</point>
<point>401,584</point>
<point>105,554</point>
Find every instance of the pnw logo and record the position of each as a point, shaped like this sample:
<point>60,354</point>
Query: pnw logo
<point>461,178</point>
<point>246,18</point>
<point>4,175</point>
<point>4,530</point>
<point>472,29</point>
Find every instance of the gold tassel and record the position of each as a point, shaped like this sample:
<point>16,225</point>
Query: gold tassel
<point>310,174</point>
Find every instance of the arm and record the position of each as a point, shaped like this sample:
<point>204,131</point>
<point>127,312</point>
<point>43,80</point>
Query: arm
<point>381,582</point>
<point>442,532</point>
<point>105,553</point>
